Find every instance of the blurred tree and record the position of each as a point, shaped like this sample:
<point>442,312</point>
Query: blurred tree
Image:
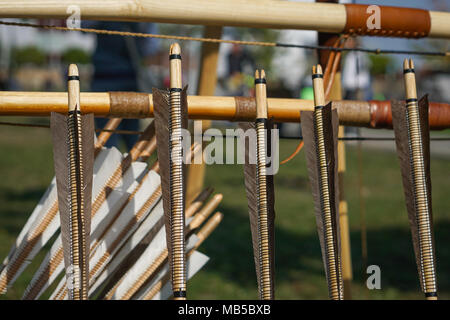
<point>380,64</point>
<point>75,55</point>
<point>263,55</point>
<point>28,55</point>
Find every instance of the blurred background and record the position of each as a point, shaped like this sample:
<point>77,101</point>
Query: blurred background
<point>36,60</point>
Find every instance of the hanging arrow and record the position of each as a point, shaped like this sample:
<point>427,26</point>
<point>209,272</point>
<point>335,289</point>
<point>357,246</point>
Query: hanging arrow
<point>73,153</point>
<point>320,131</point>
<point>412,136</point>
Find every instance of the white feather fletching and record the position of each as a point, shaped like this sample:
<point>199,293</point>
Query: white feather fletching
<point>102,167</point>
<point>148,224</point>
<point>109,160</point>
<point>151,253</point>
<point>195,262</point>
<point>129,214</point>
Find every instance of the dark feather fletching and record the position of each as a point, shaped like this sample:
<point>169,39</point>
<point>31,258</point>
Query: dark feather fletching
<point>251,188</point>
<point>400,124</point>
<point>81,153</point>
<point>330,128</point>
<point>162,120</point>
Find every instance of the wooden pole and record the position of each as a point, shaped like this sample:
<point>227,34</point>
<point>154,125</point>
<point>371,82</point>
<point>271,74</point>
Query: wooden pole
<point>422,197</point>
<point>372,114</point>
<point>347,273</point>
<point>208,66</point>
<point>206,87</point>
<point>346,252</point>
<point>104,136</point>
<point>323,17</point>
<point>177,214</point>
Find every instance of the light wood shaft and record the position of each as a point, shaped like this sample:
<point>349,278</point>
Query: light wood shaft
<point>73,88</point>
<point>261,98</point>
<point>319,93</point>
<point>104,136</point>
<point>175,67</point>
<point>410,84</point>
<point>322,17</point>
<point>204,213</point>
<point>208,228</point>
<point>202,234</point>
<point>410,80</point>
<point>207,81</point>
<point>175,74</point>
<point>198,202</point>
<point>261,101</point>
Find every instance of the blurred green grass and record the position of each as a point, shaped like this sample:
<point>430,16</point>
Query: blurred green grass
<point>26,168</point>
